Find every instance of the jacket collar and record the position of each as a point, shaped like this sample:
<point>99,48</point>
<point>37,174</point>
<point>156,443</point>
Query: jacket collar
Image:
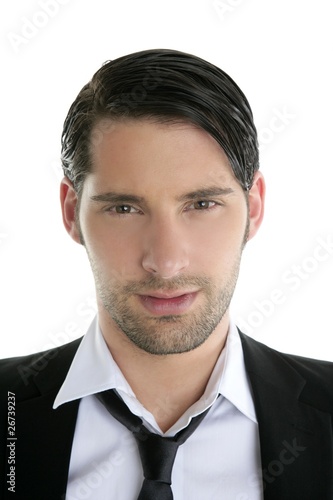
<point>44,436</point>
<point>296,453</point>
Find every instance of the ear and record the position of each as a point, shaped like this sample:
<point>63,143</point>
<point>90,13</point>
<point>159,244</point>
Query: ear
<point>69,202</point>
<point>256,201</point>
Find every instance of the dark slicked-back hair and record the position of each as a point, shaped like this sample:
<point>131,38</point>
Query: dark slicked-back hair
<point>165,86</point>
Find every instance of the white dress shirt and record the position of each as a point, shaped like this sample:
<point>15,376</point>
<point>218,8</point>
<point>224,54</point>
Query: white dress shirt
<point>219,461</point>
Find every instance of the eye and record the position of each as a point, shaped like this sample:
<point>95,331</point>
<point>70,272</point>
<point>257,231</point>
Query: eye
<point>203,204</point>
<point>122,209</point>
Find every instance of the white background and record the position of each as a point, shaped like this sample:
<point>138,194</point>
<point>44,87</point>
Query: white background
<point>279,52</point>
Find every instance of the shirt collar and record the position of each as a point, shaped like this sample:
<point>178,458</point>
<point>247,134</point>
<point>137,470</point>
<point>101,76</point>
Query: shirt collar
<point>93,370</point>
<point>234,383</point>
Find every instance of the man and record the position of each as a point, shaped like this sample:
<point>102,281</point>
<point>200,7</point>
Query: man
<point>162,188</point>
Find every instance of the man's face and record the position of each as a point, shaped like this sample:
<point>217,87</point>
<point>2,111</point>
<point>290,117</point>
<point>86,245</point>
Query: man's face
<point>164,222</point>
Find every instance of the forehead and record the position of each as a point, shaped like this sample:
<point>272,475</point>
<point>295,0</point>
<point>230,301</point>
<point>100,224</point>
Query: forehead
<point>146,155</point>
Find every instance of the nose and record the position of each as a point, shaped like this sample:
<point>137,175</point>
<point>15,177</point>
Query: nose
<point>165,250</point>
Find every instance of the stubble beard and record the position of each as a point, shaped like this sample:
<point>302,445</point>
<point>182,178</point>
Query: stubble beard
<point>171,334</point>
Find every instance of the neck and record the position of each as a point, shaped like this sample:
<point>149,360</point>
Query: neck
<point>166,385</point>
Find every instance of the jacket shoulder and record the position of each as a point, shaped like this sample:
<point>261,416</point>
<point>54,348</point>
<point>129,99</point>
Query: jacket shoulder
<point>17,372</point>
<point>317,374</point>
<point>311,366</point>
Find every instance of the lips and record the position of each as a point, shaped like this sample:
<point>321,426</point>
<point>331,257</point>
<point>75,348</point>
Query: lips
<point>162,304</point>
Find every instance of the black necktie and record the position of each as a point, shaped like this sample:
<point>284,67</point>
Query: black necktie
<point>157,452</point>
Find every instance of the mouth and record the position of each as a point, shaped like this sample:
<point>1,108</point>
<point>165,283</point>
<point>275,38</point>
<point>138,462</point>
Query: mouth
<point>173,303</point>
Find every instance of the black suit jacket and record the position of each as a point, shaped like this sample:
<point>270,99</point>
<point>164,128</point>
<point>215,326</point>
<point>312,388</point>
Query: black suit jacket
<point>293,397</point>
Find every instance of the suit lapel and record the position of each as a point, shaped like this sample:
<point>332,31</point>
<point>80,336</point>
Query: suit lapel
<point>296,453</point>
<point>44,435</point>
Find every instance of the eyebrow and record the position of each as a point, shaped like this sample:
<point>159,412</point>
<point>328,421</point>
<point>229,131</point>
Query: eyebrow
<point>205,193</point>
<point>113,197</point>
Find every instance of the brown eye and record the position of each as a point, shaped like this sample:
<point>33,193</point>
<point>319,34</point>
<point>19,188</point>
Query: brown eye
<point>202,204</point>
<point>123,209</point>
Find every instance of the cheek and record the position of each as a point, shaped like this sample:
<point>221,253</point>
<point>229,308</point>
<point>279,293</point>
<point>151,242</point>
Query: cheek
<point>216,260</point>
<point>114,253</point>
<point>219,241</point>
